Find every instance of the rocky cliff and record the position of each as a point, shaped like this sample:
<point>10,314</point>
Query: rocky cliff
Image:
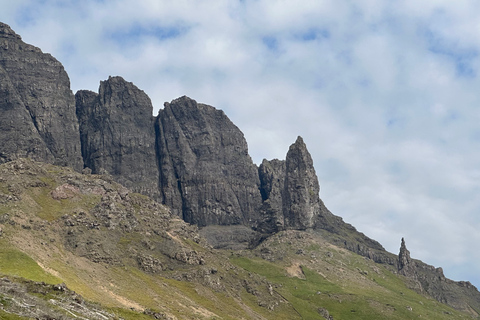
<point>118,135</point>
<point>207,176</point>
<point>191,156</point>
<point>290,192</point>
<point>426,279</point>
<point>37,107</point>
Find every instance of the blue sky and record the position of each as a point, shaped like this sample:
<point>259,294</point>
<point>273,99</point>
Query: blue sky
<point>384,93</point>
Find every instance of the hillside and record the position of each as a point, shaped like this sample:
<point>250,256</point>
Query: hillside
<point>81,245</point>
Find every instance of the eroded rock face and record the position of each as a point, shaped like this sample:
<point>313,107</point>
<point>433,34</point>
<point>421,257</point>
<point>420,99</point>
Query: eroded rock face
<point>118,135</point>
<point>406,265</point>
<point>207,176</point>
<point>290,192</point>
<point>37,107</point>
<point>425,278</point>
<point>272,188</point>
<point>301,199</point>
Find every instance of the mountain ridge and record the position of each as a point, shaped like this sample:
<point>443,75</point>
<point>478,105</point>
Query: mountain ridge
<point>190,157</point>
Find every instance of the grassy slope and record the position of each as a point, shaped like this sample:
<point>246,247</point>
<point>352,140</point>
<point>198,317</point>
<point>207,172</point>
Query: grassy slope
<point>32,248</point>
<point>345,284</point>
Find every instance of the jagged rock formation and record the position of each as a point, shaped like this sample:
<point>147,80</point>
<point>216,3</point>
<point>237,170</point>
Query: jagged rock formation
<point>406,265</point>
<point>191,157</point>
<point>207,176</point>
<point>290,191</point>
<point>427,279</point>
<point>301,199</point>
<point>37,107</point>
<point>117,134</point>
<point>272,182</point>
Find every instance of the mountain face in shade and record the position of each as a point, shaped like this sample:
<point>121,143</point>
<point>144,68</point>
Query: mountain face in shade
<point>37,107</point>
<point>118,135</point>
<point>207,175</point>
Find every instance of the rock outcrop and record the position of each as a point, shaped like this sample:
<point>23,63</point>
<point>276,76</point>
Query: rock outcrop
<point>429,280</point>
<point>118,135</point>
<point>290,191</point>
<point>406,265</point>
<point>206,174</point>
<point>301,196</point>
<point>37,107</point>
<point>272,188</point>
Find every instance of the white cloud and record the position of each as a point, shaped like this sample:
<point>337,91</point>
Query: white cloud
<point>384,94</point>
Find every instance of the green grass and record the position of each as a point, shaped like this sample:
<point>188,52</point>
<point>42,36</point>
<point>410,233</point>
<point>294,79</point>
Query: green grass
<point>387,297</point>
<point>16,263</point>
<point>8,316</point>
<point>129,314</point>
<point>170,290</point>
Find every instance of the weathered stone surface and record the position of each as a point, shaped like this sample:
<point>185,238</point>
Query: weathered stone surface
<point>37,107</point>
<point>427,279</point>
<point>290,193</point>
<point>406,265</point>
<point>236,237</point>
<point>207,176</point>
<point>272,185</point>
<point>118,135</point>
<point>301,199</point>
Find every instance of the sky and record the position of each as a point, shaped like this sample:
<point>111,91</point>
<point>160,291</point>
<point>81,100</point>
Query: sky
<point>384,93</point>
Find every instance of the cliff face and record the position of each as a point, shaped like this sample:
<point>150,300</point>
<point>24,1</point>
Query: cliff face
<point>206,174</point>
<point>272,183</point>
<point>37,107</point>
<point>117,134</point>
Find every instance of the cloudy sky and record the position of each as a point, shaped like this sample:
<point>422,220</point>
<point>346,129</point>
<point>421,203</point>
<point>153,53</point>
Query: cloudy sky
<point>385,94</point>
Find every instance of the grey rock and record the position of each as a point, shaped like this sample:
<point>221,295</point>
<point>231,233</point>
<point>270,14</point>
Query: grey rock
<point>118,135</point>
<point>272,185</point>
<point>406,265</point>
<point>207,176</point>
<point>37,107</point>
<point>429,280</point>
<point>301,199</point>
<point>325,314</point>
<point>290,191</point>
<point>236,237</point>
